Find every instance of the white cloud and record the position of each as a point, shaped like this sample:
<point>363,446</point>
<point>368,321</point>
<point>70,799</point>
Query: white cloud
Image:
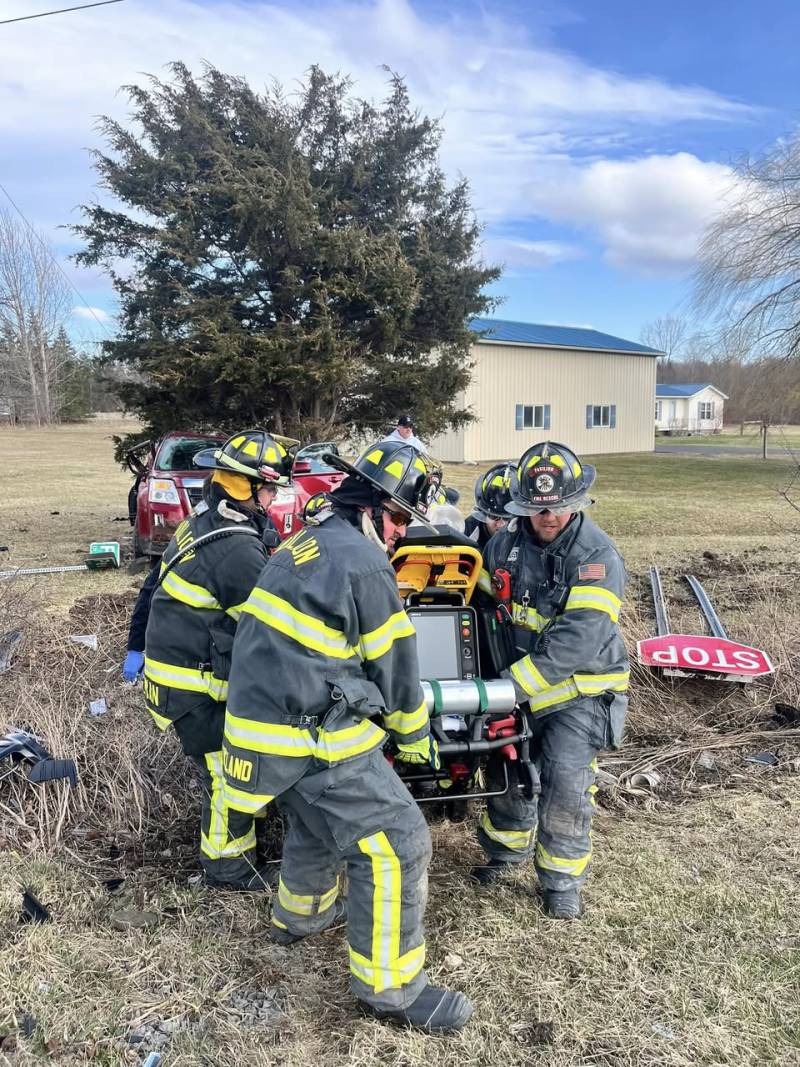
<point>649,213</point>
<point>84,311</point>
<point>517,114</point>
<point>518,253</point>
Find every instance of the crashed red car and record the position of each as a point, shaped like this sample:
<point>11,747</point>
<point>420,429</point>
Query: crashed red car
<point>168,486</point>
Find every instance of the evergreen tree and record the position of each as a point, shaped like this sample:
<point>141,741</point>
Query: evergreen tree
<point>300,263</point>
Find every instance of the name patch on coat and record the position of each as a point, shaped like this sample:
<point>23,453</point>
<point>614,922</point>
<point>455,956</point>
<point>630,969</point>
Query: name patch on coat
<point>591,572</point>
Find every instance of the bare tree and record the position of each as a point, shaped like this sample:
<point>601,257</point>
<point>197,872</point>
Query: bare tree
<point>667,334</point>
<point>34,305</point>
<point>749,261</point>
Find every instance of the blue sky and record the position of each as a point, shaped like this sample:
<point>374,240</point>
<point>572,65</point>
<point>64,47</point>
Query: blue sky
<point>597,134</point>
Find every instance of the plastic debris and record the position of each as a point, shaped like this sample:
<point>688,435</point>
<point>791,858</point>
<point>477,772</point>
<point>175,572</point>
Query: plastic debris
<point>8,646</point>
<point>765,759</point>
<point>54,770</point>
<point>90,640</point>
<point>113,884</point>
<point>706,761</point>
<point>33,911</point>
<point>648,780</point>
<point>129,919</point>
<point>152,1060</point>
<point>24,746</point>
<point>99,706</point>
<point>27,1024</point>
<point>453,961</point>
<point>663,1031</point>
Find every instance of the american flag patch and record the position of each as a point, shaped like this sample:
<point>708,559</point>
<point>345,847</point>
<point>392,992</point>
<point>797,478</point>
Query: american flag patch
<point>591,572</point>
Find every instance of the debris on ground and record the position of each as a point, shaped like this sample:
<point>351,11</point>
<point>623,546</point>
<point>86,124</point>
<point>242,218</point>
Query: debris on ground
<point>706,761</point>
<point>663,1031</point>
<point>647,780</point>
<point>90,640</point>
<point>765,759</point>
<point>46,768</point>
<point>257,1007</point>
<point>33,911</point>
<point>99,706</point>
<point>130,919</point>
<point>541,1032</point>
<point>453,961</point>
<point>786,714</point>
<point>8,646</point>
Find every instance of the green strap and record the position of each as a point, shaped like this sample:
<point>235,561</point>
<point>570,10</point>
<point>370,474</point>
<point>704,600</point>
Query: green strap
<point>480,685</point>
<point>437,695</point>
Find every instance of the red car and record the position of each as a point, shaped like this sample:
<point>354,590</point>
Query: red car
<point>168,486</point>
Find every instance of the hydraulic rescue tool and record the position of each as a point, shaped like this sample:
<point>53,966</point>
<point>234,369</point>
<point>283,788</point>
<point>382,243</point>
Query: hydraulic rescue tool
<point>473,712</point>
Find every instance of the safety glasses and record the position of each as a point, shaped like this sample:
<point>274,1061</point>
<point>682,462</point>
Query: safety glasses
<point>399,518</point>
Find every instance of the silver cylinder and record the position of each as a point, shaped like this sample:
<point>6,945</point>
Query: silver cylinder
<point>463,698</point>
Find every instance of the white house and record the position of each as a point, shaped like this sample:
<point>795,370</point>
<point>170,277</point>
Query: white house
<point>690,408</point>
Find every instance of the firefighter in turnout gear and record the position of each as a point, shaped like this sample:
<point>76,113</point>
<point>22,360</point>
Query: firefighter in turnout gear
<point>324,672</point>
<point>492,494</point>
<point>568,664</point>
<point>206,574</point>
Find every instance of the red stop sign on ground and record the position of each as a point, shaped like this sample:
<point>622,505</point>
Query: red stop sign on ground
<point>694,653</point>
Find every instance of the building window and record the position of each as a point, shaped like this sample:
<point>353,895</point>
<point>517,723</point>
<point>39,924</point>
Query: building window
<point>705,409</point>
<point>532,417</point>
<point>601,416</point>
<point>659,408</point>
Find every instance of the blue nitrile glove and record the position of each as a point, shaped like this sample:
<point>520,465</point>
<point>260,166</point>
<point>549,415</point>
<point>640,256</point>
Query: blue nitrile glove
<point>425,750</point>
<point>133,666</point>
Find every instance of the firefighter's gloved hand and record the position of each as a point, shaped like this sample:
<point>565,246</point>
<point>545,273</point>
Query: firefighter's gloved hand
<point>133,666</point>
<point>419,752</point>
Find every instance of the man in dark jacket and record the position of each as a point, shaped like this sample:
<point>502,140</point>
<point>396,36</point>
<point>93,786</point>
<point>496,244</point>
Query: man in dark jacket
<point>324,648</point>
<point>206,575</point>
<point>568,664</point>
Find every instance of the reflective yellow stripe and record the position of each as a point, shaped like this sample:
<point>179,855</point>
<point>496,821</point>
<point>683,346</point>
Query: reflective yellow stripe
<point>251,803</point>
<point>555,694</point>
<point>376,643</point>
<point>306,904</point>
<point>279,924</point>
<point>527,617</point>
<point>190,679</point>
<point>401,722</point>
<point>309,632</point>
<point>485,582</point>
<point>216,843</point>
<point>596,598</point>
<point>406,968</point>
<point>575,867</point>
<point>188,593</point>
<point>386,906</point>
<point>235,611</point>
<point>518,840</point>
<point>592,684</point>
<point>529,676</point>
<point>274,739</point>
<point>160,720</point>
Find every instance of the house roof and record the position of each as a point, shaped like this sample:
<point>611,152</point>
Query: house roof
<point>504,331</point>
<point>688,389</point>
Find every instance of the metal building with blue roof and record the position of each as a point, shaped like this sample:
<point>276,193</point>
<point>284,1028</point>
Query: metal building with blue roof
<point>588,389</point>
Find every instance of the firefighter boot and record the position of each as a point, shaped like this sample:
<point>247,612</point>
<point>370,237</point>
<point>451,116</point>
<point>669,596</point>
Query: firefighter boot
<point>259,880</point>
<point>435,1010</point>
<point>563,905</point>
<point>279,934</point>
<point>488,873</point>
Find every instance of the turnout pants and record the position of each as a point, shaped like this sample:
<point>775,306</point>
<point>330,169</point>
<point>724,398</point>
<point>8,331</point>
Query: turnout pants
<point>227,836</point>
<point>565,745</point>
<point>359,817</point>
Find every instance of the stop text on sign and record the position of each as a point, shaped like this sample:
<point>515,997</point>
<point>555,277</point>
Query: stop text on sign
<point>702,653</point>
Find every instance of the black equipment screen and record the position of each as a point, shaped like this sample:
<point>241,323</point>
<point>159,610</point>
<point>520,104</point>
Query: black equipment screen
<point>445,642</point>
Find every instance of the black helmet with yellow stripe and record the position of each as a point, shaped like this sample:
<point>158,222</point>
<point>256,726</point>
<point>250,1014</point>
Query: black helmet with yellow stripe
<point>396,471</point>
<point>247,460</point>
<point>493,491</point>
<point>550,477</point>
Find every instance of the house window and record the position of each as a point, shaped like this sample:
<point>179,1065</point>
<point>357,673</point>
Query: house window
<point>601,416</point>
<point>532,417</point>
<point>659,408</point>
<point>705,409</point>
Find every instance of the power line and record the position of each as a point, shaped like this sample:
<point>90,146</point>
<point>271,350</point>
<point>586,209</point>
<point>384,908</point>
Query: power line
<point>57,265</point>
<point>59,11</point>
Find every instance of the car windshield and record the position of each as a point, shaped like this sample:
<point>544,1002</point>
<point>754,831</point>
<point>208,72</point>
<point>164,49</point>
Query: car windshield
<point>310,458</point>
<point>177,453</point>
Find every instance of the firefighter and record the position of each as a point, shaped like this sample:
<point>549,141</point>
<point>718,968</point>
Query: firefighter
<point>324,648</point>
<point>492,493</point>
<point>194,611</point>
<point>568,664</point>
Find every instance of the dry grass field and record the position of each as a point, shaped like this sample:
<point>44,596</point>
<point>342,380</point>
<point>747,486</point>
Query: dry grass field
<point>690,950</point>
